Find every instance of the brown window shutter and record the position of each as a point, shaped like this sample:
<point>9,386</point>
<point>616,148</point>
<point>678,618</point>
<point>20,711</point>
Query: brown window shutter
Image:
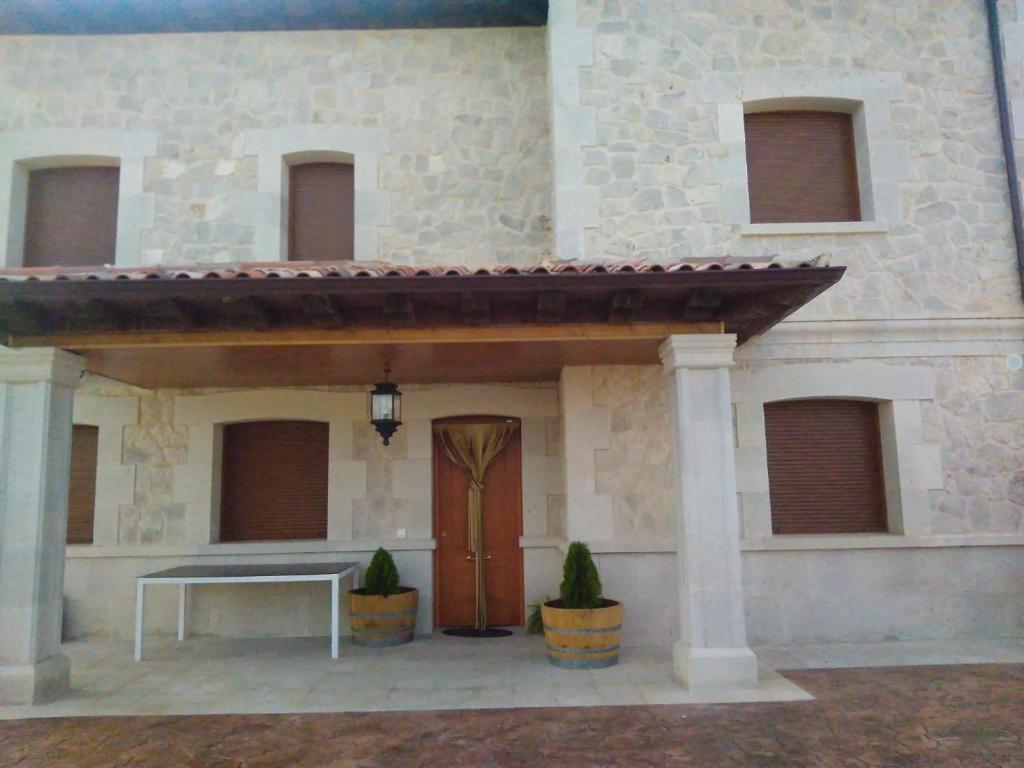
<point>71,217</point>
<point>82,484</point>
<point>801,167</point>
<point>825,466</point>
<point>274,481</point>
<point>321,204</point>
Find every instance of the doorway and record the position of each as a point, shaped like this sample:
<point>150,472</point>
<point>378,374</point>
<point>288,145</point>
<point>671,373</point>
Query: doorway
<point>454,584</point>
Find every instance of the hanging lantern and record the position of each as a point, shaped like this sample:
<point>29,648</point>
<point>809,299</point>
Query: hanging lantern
<point>386,408</point>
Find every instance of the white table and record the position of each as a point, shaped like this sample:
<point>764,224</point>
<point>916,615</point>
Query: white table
<point>241,574</point>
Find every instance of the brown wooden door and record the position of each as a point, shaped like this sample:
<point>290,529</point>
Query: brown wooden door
<point>502,526</point>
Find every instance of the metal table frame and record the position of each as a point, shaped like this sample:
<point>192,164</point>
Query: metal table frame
<point>183,583</point>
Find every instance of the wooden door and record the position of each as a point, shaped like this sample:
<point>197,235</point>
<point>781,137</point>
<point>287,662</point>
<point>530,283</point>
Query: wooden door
<point>454,592</point>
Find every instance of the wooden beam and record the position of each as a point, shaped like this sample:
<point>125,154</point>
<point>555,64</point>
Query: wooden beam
<point>551,307</point>
<point>476,309</point>
<point>254,311</point>
<point>398,309</point>
<point>625,306</point>
<point>701,304</point>
<point>321,305</point>
<point>24,317</point>
<point>354,336</point>
<point>183,314</point>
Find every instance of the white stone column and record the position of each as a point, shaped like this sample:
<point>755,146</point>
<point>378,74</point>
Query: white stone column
<point>36,399</point>
<point>712,648</point>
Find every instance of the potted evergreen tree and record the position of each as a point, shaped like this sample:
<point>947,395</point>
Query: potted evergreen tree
<point>383,613</point>
<point>582,628</point>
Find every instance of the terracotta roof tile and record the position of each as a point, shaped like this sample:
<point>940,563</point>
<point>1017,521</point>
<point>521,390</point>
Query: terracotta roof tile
<point>358,269</point>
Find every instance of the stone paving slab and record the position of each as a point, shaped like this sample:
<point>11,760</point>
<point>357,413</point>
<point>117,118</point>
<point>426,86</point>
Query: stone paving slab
<point>295,675</point>
<point>911,717</point>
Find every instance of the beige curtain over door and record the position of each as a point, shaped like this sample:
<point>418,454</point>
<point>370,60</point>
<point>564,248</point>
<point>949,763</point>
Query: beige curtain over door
<point>474,447</point>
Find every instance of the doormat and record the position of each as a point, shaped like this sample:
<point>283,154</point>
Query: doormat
<point>474,632</point>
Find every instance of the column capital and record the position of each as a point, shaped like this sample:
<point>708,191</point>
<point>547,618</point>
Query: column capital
<point>25,366</point>
<point>697,350</point>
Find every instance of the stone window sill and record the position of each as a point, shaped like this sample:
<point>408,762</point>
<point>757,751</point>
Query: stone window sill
<point>810,542</point>
<point>249,548</point>
<point>815,228</point>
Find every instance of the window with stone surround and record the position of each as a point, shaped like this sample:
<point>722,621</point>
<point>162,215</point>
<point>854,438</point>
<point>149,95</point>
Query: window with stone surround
<point>71,216</point>
<point>825,466</point>
<point>801,167</point>
<point>274,477</point>
<point>321,221</point>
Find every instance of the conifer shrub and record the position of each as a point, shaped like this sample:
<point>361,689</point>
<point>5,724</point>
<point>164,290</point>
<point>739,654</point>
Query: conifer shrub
<point>581,586</point>
<point>382,575</point>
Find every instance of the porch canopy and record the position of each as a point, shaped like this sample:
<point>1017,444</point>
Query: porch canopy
<point>294,323</point>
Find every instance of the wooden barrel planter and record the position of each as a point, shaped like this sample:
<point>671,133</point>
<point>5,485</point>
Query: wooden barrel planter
<point>582,638</point>
<point>382,621</point>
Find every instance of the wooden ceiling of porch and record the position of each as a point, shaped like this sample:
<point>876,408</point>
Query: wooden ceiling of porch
<point>280,326</point>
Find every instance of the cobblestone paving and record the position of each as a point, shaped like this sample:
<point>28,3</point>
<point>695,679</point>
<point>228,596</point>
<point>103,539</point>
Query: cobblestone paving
<point>962,716</point>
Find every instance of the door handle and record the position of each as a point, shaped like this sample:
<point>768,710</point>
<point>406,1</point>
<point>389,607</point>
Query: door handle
<point>472,556</point>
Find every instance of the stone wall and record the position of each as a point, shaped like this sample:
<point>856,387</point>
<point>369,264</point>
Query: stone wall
<point>635,469</point>
<point>973,424</point>
<point>879,595</point>
<point>974,420</point>
<point>649,102</point>
<point>463,173</point>
<point>396,492</point>
<point>377,496</point>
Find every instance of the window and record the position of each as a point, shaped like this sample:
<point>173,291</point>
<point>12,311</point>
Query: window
<point>71,216</point>
<point>825,466</point>
<point>82,484</point>
<point>274,481</point>
<point>321,225</point>
<point>801,167</point>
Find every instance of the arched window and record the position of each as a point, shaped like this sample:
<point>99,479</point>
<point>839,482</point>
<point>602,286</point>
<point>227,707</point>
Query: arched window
<point>274,481</point>
<point>825,466</point>
<point>321,205</point>
<point>71,216</point>
<point>801,167</point>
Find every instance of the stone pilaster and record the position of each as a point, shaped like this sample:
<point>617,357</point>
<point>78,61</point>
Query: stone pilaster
<point>36,400</point>
<point>712,647</point>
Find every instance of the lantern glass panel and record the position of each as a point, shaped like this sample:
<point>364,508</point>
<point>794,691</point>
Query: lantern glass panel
<point>380,406</point>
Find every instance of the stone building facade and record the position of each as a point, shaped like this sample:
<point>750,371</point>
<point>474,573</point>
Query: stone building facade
<point>617,131</point>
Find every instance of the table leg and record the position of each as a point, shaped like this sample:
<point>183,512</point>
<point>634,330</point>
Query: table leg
<point>140,610</point>
<point>182,603</point>
<point>334,617</point>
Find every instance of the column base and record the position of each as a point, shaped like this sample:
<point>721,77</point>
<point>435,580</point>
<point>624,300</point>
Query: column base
<point>35,683</point>
<point>714,667</point>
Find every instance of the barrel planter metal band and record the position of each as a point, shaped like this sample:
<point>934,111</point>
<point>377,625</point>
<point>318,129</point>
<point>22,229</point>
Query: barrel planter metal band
<point>379,622</point>
<point>582,638</point>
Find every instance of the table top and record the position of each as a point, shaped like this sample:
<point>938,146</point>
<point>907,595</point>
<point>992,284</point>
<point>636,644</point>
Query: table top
<point>245,570</point>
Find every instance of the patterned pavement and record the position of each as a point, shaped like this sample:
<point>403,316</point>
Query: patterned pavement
<point>931,717</point>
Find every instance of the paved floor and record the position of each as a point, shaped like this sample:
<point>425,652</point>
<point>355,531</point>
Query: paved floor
<point>294,675</point>
<point>910,717</point>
